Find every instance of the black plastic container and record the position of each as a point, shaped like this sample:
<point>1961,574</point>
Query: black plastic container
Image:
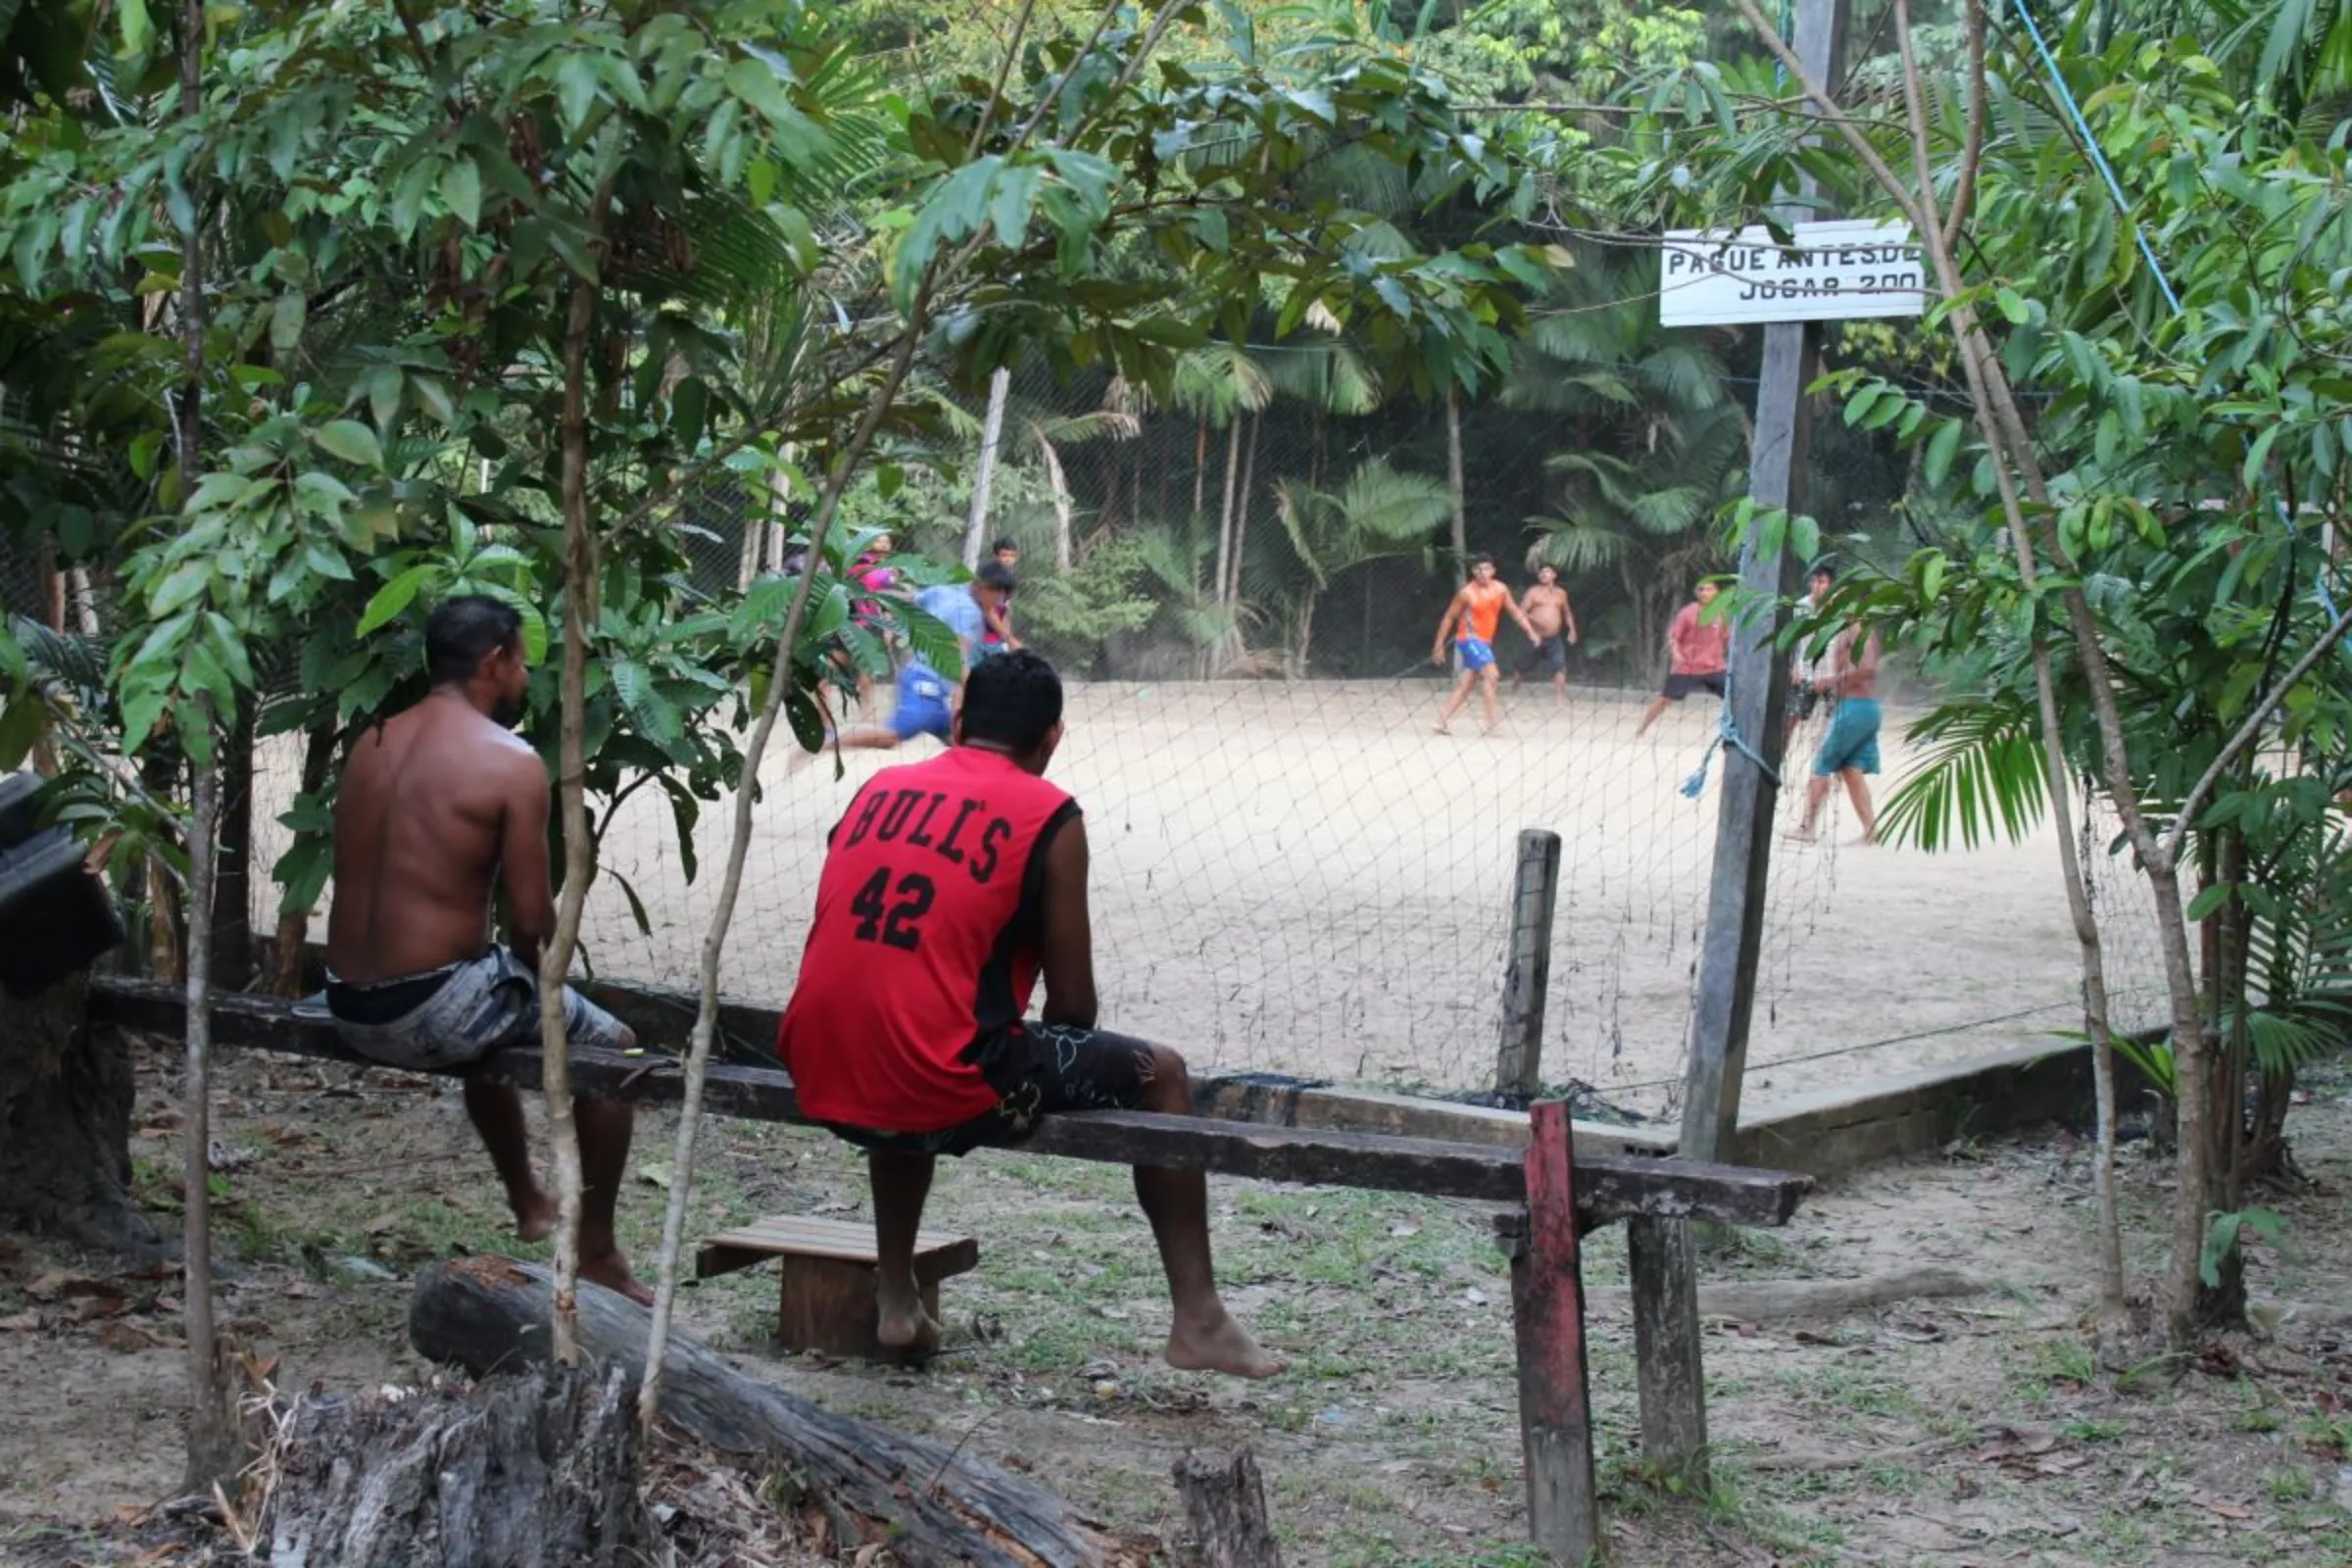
<point>56,918</point>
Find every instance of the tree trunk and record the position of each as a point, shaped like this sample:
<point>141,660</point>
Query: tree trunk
<point>1225,1505</point>
<point>1199,467</point>
<point>286,975</point>
<point>1455,488</point>
<point>531,1470</point>
<point>1241,518</point>
<point>935,1505</point>
<point>991,435</point>
<point>66,1094</point>
<point>1233,480</point>
<point>233,885</point>
<point>582,591</point>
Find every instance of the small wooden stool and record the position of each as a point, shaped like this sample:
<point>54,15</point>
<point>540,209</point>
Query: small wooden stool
<point>827,1303</point>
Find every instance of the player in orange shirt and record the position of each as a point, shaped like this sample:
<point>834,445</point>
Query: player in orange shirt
<point>1472,617</point>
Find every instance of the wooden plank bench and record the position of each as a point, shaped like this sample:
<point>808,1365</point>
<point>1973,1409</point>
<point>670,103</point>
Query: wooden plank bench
<point>1553,1198</point>
<point>827,1299</point>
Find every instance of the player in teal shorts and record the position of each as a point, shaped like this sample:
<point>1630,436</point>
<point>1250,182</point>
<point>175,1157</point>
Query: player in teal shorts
<point>1850,749</point>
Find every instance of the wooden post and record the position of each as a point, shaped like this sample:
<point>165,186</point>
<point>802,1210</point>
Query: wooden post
<point>1674,1423</point>
<point>1526,982</point>
<point>1728,957</point>
<point>1225,1503</point>
<point>1673,1382</point>
<point>1547,1315</point>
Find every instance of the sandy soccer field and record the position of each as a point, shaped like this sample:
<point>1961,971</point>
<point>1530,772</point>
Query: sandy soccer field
<point>1304,878</point>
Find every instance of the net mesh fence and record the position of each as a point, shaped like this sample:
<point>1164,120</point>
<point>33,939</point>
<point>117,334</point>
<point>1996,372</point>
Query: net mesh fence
<point>1291,870</point>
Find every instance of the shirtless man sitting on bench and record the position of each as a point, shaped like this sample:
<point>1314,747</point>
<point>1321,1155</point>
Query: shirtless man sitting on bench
<point>439,804</point>
<point>950,887</point>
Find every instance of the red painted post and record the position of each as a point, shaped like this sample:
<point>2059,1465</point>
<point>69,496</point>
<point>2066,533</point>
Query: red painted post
<point>1547,1310</point>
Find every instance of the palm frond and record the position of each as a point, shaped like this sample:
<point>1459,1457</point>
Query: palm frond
<point>1982,775</point>
<point>1574,545</point>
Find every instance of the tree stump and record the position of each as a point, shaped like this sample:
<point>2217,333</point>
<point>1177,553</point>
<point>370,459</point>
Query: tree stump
<point>66,1094</point>
<point>533,1470</point>
<point>934,1505</point>
<point>1225,1505</point>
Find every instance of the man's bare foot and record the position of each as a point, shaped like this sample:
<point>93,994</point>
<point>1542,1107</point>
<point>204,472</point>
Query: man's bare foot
<point>535,1218</point>
<point>1798,835</point>
<point>611,1271</point>
<point>1442,730</point>
<point>908,1330</point>
<point>1220,1347</point>
<point>1868,841</point>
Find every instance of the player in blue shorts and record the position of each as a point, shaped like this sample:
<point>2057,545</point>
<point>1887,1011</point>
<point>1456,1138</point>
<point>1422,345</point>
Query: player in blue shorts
<point>926,697</point>
<point>1850,749</point>
<point>1472,616</point>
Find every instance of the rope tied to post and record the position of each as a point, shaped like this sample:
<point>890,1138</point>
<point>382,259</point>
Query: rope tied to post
<point>1726,734</point>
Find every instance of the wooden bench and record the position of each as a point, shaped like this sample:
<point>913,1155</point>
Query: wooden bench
<point>827,1300</point>
<point>1553,1198</point>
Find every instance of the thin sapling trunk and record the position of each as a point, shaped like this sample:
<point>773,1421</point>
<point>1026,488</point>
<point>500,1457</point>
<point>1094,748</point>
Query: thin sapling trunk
<point>739,843</point>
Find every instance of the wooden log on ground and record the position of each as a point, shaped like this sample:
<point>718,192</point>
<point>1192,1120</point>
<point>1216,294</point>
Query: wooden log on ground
<point>533,1470</point>
<point>1609,1186</point>
<point>1225,1506</point>
<point>935,1506</point>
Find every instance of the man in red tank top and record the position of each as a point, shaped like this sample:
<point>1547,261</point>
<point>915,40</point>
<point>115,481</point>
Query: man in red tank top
<point>950,887</point>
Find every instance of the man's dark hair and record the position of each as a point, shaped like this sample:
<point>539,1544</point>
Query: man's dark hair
<point>1006,544</point>
<point>463,631</point>
<point>1824,568</point>
<point>1481,559</point>
<point>1011,700</point>
<point>996,574</point>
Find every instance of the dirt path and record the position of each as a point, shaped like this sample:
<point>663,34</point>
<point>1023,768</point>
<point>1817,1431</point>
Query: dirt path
<point>1964,1430</point>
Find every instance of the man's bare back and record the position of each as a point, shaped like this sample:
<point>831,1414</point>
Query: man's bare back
<point>439,805</point>
<point>434,801</point>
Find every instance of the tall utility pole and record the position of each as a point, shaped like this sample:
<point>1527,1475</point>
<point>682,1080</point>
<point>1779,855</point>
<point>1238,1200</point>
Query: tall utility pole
<point>1727,959</point>
<point>1661,1254</point>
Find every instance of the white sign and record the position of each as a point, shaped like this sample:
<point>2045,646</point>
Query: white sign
<point>1835,271</point>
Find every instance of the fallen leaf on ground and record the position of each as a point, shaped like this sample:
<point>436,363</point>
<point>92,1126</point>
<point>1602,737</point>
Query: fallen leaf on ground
<point>124,1337</point>
<point>2219,1506</point>
<point>87,1308</point>
<point>19,1323</point>
<point>50,1286</point>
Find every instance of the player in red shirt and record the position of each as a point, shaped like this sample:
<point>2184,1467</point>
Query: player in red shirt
<point>1697,655</point>
<point>949,885</point>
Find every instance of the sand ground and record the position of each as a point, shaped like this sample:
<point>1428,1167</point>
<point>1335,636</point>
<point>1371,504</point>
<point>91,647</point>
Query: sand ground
<point>1305,878</point>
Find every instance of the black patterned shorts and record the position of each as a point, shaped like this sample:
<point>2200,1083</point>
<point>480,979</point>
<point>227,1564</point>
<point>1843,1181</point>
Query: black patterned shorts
<point>1035,1069</point>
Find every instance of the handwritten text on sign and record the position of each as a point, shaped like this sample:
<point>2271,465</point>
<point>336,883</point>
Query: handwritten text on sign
<point>1833,271</point>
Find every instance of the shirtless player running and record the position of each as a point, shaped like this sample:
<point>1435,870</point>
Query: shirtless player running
<point>439,804</point>
<point>1554,620</point>
<point>949,886</point>
<point>1472,617</point>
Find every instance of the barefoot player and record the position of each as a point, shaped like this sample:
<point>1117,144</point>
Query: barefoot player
<point>1472,618</point>
<point>440,805</point>
<point>949,886</point>
<point>1697,655</point>
<point>1850,749</point>
<point>1547,610</point>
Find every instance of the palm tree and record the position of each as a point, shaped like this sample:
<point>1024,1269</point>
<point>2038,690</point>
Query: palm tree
<point>1378,513</point>
<point>1657,443</point>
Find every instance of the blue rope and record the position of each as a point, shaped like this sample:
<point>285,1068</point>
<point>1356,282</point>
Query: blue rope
<point>1726,733</point>
<point>2115,189</point>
